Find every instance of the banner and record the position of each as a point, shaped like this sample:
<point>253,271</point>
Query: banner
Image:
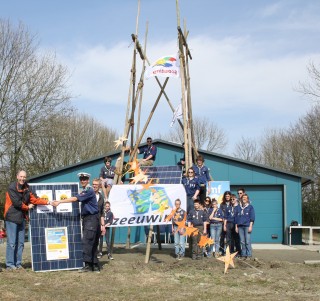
<point>166,66</point>
<point>135,205</point>
<point>57,246</point>
<point>218,188</point>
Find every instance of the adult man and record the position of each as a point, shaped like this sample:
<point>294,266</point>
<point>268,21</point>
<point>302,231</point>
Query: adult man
<point>19,199</point>
<point>198,219</point>
<point>241,191</point>
<point>202,173</point>
<point>149,153</point>
<point>179,238</point>
<point>107,174</point>
<point>92,223</point>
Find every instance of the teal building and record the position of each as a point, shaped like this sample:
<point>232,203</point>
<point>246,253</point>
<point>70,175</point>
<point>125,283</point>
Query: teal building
<point>275,194</point>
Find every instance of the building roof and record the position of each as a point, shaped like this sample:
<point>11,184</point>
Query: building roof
<point>305,180</point>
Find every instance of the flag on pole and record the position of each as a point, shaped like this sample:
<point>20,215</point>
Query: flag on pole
<point>166,66</point>
<point>177,114</point>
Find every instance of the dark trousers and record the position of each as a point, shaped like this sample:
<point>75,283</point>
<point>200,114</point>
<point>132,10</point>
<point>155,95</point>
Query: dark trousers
<point>222,241</point>
<point>233,240</point>
<point>107,237</point>
<point>90,239</point>
<point>203,193</point>
<point>196,250</point>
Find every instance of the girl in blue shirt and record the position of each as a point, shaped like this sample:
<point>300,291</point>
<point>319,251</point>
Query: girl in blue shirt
<point>216,221</point>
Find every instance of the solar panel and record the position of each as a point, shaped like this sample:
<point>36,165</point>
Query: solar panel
<point>55,234</point>
<point>163,174</point>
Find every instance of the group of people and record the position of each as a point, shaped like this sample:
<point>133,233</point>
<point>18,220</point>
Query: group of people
<point>95,213</point>
<point>229,225</point>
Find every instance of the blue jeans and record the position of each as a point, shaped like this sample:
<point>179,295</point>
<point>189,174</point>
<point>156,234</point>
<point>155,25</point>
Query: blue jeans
<point>15,243</point>
<point>245,241</point>
<point>215,232</point>
<point>179,242</point>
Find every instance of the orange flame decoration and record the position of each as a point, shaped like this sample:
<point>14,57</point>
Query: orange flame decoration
<point>170,216</point>
<point>140,177</point>
<point>205,240</point>
<point>191,231</point>
<point>148,185</point>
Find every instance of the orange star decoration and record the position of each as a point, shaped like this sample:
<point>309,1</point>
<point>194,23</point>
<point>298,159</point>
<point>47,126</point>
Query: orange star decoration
<point>191,231</point>
<point>140,177</point>
<point>147,186</point>
<point>134,166</point>
<point>205,240</point>
<point>227,259</point>
<point>120,141</point>
<point>182,225</point>
<point>170,216</point>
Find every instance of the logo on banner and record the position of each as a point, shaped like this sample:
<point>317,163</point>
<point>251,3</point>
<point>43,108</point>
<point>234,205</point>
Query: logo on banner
<point>166,66</point>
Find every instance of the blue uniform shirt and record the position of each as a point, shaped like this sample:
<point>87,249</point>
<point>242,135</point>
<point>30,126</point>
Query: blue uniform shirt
<point>197,217</point>
<point>202,173</point>
<point>107,173</point>
<point>88,199</point>
<point>218,214</point>
<point>244,216</point>
<point>190,185</point>
<point>230,213</point>
<point>149,150</point>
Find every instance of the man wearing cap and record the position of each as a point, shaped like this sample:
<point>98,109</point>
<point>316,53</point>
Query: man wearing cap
<point>92,223</point>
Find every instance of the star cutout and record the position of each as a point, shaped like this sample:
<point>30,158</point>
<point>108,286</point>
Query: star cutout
<point>182,225</point>
<point>170,216</point>
<point>140,177</point>
<point>191,231</point>
<point>120,141</point>
<point>147,186</point>
<point>134,166</point>
<point>227,259</point>
<point>205,240</point>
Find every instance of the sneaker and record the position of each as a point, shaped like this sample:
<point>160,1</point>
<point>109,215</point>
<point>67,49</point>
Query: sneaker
<point>110,257</point>
<point>99,255</point>
<point>86,268</point>
<point>20,267</point>
<point>10,269</point>
<point>178,257</point>
<point>96,268</point>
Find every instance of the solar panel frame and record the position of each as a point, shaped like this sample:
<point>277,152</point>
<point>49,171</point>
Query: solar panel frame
<point>164,174</point>
<point>40,221</point>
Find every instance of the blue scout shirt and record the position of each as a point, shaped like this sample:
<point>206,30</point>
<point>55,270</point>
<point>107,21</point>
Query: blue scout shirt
<point>244,216</point>
<point>149,150</point>
<point>230,213</point>
<point>197,217</point>
<point>190,185</point>
<point>107,173</point>
<point>88,199</point>
<point>218,214</point>
<point>108,218</point>
<point>202,173</point>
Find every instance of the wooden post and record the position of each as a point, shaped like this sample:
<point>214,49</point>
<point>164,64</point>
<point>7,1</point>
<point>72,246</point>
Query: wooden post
<point>147,258</point>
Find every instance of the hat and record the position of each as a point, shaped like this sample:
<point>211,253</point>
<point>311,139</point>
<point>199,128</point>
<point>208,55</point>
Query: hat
<point>83,175</point>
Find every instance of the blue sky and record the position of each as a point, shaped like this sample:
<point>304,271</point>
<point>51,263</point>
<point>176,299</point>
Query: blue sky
<point>248,56</point>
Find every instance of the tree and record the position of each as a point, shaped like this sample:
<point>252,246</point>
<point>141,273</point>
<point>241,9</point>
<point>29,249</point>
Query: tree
<point>311,88</point>
<point>33,87</point>
<point>66,140</point>
<point>208,135</point>
<point>247,149</point>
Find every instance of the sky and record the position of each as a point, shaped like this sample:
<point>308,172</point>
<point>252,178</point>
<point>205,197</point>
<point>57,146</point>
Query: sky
<point>248,57</point>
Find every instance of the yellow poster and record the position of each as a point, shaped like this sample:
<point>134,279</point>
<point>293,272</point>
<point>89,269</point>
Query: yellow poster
<point>57,246</point>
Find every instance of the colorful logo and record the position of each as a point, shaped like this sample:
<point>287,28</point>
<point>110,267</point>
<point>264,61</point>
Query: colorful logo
<point>155,197</point>
<point>166,61</point>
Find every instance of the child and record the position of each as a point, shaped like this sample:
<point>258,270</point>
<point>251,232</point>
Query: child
<point>216,221</point>
<point>244,219</point>
<point>108,220</point>
<point>179,238</point>
<point>107,174</point>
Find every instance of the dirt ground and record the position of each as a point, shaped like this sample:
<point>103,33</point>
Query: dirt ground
<point>274,275</point>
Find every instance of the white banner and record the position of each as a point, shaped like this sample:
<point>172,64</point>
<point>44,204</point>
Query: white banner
<point>166,66</point>
<point>139,205</point>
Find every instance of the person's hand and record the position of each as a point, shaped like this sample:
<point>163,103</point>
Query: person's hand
<point>103,230</point>
<point>30,206</point>
<point>55,203</point>
<point>237,230</point>
<point>250,229</point>
<point>225,228</point>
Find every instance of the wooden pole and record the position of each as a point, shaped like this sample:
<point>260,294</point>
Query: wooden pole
<point>147,258</point>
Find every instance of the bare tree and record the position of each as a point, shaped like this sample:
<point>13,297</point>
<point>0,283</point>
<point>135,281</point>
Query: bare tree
<point>248,149</point>
<point>33,87</point>
<point>208,135</point>
<point>66,140</point>
<point>311,88</point>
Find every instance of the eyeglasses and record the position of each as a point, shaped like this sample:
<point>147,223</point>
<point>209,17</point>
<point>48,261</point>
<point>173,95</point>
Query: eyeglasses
<point>240,192</point>
<point>149,140</point>
<point>190,171</point>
